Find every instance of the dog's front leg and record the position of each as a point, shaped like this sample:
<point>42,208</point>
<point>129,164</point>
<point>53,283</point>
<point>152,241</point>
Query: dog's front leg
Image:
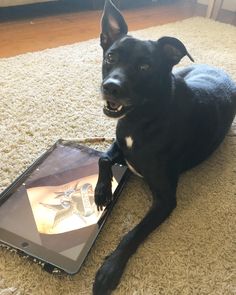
<point>164,201</point>
<point>103,192</point>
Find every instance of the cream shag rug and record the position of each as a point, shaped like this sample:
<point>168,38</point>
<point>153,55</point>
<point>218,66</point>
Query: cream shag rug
<point>55,94</point>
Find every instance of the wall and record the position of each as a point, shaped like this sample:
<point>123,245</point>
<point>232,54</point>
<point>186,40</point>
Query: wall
<point>227,4</point>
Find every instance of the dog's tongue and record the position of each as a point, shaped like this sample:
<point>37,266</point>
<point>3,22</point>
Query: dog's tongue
<point>113,105</point>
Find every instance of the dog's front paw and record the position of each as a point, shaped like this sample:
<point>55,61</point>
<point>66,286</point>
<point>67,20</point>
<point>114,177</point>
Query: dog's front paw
<point>103,194</point>
<point>108,276</point>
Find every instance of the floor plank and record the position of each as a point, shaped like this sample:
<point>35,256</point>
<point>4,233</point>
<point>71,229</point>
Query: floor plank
<point>36,27</point>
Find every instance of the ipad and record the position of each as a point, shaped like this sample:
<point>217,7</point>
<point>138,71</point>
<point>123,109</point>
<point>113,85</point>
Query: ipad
<point>49,213</point>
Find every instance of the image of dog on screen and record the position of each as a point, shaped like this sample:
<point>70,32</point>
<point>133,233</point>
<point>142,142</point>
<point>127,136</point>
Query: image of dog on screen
<point>66,207</point>
<point>167,122</point>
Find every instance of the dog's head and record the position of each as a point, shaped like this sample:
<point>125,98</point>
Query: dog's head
<point>134,71</point>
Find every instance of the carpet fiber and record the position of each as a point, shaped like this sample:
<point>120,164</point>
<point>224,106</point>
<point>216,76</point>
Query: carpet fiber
<point>55,94</point>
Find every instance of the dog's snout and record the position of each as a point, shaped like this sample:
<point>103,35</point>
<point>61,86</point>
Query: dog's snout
<point>112,87</point>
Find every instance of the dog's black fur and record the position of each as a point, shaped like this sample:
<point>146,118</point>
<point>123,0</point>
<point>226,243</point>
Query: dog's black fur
<point>168,123</point>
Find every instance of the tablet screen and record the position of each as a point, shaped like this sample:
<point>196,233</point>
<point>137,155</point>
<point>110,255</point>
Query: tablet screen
<point>54,207</point>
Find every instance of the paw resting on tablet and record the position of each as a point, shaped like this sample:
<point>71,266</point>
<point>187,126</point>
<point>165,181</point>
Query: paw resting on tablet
<point>103,190</point>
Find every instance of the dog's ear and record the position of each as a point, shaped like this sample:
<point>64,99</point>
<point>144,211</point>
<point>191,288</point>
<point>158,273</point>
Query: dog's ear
<point>113,25</point>
<point>172,50</point>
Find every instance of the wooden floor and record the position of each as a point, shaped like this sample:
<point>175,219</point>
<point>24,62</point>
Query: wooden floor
<point>36,27</point>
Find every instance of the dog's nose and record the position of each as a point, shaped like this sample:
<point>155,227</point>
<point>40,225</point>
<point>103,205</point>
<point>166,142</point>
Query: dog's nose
<point>111,87</point>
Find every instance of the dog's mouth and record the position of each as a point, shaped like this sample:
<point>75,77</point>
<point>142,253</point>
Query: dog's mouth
<point>113,109</point>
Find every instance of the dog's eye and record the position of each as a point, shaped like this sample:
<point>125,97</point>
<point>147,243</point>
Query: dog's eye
<point>111,58</point>
<point>144,67</point>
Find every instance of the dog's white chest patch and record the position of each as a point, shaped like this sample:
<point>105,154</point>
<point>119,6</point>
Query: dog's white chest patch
<point>129,141</point>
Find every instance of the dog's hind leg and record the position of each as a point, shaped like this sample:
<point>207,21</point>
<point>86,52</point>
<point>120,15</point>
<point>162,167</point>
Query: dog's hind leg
<point>103,192</point>
<point>164,201</point>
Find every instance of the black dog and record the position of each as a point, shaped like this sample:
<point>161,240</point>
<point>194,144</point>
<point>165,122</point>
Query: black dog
<point>167,123</point>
